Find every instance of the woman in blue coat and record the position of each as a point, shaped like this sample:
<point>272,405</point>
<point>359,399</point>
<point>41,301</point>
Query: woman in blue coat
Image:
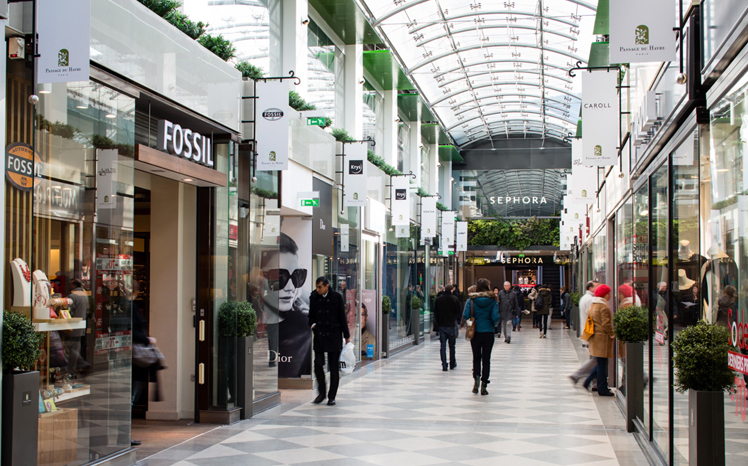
<point>485,310</point>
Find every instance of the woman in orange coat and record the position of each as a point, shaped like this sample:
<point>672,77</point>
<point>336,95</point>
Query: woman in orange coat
<point>601,341</point>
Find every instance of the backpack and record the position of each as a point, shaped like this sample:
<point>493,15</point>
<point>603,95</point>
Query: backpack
<point>539,302</point>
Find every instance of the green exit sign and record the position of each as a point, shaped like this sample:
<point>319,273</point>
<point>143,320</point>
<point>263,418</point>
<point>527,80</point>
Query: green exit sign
<point>310,203</point>
<point>315,121</point>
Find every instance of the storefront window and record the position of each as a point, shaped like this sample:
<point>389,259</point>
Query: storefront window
<point>373,117</point>
<point>71,228</point>
<point>599,247</point>
<point>640,258</point>
<point>624,276</point>
<point>399,257</point>
<point>724,220</point>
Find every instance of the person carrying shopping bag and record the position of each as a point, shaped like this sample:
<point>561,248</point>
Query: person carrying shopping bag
<point>482,311</point>
<point>600,338</point>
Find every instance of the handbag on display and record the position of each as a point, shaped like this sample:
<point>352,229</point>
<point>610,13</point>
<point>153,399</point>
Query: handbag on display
<point>589,329</point>
<point>470,324</point>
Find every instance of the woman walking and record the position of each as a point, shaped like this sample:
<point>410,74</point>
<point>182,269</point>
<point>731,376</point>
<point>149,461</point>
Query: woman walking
<point>601,341</point>
<point>566,299</point>
<point>545,296</point>
<point>532,296</point>
<point>484,308</point>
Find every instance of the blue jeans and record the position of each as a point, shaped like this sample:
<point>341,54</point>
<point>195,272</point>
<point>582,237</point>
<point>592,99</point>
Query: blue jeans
<point>447,334</point>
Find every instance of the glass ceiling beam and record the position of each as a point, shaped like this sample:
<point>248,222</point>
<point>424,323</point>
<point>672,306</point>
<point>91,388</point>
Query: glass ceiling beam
<point>503,83</point>
<point>484,27</point>
<point>522,102</point>
<point>507,112</point>
<point>488,62</point>
<point>483,73</point>
<point>502,14</point>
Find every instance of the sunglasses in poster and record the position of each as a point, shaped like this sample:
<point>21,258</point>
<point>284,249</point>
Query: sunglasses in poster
<point>278,278</point>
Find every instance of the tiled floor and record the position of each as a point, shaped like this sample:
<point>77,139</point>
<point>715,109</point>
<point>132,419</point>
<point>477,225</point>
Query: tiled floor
<point>406,411</point>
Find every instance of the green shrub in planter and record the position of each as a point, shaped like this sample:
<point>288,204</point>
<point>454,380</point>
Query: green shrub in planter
<point>386,304</point>
<point>296,102</point>
<point>574,298</point>
<point>341,135</point>
<point>700,359</point>
<point>20,342</point>
<point>220,47</point>
<point>631,324</point>
<point>237,319</point>
<point>415,302</point>
<point>249,70</point>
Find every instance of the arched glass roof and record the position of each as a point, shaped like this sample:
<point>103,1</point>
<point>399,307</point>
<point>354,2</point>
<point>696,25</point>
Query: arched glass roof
<point>490,68</point>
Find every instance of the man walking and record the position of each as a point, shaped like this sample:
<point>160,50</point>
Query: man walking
<point>584,308</point>
<point>329,324</point>
<point>508,309</point>
<point>446,313</point>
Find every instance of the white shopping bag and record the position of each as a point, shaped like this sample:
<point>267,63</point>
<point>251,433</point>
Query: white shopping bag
<point>347,359</point>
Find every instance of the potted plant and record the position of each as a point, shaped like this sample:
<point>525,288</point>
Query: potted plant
<point>574,309</point>
<point>386,308</point>
<point>701,369</point>
<point>20,390</point>
<point>631,327</point>
<point>416,304</point>
<point>237,323</point>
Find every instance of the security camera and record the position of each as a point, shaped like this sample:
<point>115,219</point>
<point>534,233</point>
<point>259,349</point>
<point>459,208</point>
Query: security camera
<point>33,99</point>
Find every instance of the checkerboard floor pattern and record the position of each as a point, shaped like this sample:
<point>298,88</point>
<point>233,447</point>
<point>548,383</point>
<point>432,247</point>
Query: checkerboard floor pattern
<point>406,411</point>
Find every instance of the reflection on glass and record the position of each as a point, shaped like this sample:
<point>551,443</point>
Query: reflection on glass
<point>640,260</point>
<point>624,278</point>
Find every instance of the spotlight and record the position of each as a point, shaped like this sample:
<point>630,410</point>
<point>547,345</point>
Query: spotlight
<point>254,179</point>
<point>33,99</point>
<point>305,21</point>
<point>362,81</point>
<point>682,78</point>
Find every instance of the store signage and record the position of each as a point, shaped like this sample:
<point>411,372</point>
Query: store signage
<point>581,184</point>
<point>115,342</point>
<point>271,125</point>
<point>315,121</point>
<point>462,236</point>
<point>448,232</point>
<point>600,118</point>
<point>106,178</point>
<point>428,217</point>
<point>402,231</point>
<point>517,200</point>
<point>58,200</point>
<point>642,31</point>
<point>64,40</point>
<point>183,142</point>
<point>520,260</point>
<point>345,231</point>
<point>355,175</point>
<point>400,196</point>
<point>119,263</point>
<point>22,166</point>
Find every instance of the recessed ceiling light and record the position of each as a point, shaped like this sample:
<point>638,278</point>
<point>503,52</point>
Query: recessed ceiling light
<point>187,179</point>
<point>110,115</point>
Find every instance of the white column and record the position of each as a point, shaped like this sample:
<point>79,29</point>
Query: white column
<point>434,171</point>
<point>354,96</point>
<point>389,145</point>
<point>275,18</point>
<point>414,157</point>
<point>294,41</point>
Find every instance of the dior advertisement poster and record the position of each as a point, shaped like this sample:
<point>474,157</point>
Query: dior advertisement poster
<point>354,168</point>
<point>291,279</point>
<point>400,200</point>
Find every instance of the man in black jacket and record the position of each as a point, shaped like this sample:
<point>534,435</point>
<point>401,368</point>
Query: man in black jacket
<point>329,324</point>
<point>446,313</point>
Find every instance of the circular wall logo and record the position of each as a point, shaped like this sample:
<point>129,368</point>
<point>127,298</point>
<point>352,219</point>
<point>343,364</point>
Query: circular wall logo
<point>21,163</point>
<point>272,114</point>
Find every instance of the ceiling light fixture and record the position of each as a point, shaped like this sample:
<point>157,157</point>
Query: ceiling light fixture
<point>187,179</point>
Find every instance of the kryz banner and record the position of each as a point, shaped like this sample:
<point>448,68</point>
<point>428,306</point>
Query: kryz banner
<point>642,31</point>
<point>428,217</point>
<point>462,236</point>
<point>64,41</point>
<point>583,180</point>
<point>600,118</point>
<point>271,125</point>
<point>354,166</point>
<point>400,200</point>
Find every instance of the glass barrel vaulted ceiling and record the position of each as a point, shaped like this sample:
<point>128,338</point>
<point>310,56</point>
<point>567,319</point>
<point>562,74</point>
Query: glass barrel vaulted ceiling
<point>491,68</point>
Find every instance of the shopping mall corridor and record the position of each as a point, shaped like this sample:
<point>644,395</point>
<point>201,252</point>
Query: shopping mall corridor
<point>406,411</point>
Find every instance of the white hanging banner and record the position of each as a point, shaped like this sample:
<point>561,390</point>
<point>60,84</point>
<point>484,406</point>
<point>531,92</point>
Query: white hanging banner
<point>642,31</point>
<point>354,165</point>
<point>600,118</point>
<point>447,239</point>
<point>581,183</point>
<point>573,214</point>
<point>271,228</point>
<point>402,231</point>
<point>428,217</point>
<point>271,125</point>
<point>462,236</point>
<point>344,237</point>
<point>400,197</point>
<point>64,41</point>
<point>106,178</point>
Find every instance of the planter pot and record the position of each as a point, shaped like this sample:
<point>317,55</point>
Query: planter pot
<point>385,344</point>
<point>419,312</point>
<point>634,375</point>
<point>706,428</point>
<point>245,375</point>
<point>20,418</point>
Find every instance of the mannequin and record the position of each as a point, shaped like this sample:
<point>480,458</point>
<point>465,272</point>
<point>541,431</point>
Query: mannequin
<point>21,283</point>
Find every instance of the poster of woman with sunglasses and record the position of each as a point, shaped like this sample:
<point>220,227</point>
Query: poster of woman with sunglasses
<point>285,282</point>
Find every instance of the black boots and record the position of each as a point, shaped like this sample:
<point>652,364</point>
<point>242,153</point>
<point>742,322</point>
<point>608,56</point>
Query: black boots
<point>476,384</point>
<point>320,398</point>
<point>483,386</point>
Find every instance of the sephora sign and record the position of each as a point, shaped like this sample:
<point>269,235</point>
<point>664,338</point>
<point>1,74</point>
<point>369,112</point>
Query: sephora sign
<point>183,142</point>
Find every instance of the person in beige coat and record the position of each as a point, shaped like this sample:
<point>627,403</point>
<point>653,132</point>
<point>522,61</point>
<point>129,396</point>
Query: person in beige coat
<point>601,341</point>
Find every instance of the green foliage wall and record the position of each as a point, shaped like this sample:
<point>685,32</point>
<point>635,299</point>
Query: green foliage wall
<point>515,234</point>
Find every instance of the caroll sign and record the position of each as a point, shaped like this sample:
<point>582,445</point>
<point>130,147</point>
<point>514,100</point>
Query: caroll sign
<point>183,142</point>
<point>22,165</point>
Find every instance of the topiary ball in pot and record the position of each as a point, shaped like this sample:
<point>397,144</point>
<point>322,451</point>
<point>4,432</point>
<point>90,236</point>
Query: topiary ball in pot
<point>386,304</point>
<point>237,319</point>
<point>700,359</point>
<point>415,302</point>
<point>631,324</point>
<point>20,342</point>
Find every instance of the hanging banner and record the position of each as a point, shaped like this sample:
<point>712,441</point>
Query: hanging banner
<point>573,214</point>
<point>64,41</point>
<point>642,31</point>
<point>106,178</point>
<point>462,236</point>
<point>581,183</point>
<point>355,174</point>
<point>271,125</point>
<point>447,238</point>
<point>271,228</point>
<point>402,231</point>
<point>428,217</point>
<point>344,237</point>
<point>600,118</point>
<point>400,196</point>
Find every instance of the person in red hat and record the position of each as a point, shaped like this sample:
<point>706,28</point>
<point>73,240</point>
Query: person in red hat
<point>601,341</point>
